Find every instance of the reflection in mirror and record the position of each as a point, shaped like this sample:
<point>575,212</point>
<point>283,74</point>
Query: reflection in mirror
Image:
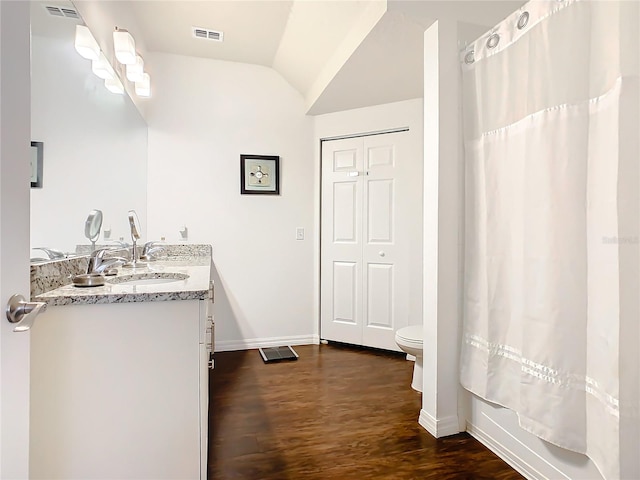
<point>92,227</point>
<point>47,254</point>
<point>36,159</point>
<point>134,225</point>
<point>96,142</point>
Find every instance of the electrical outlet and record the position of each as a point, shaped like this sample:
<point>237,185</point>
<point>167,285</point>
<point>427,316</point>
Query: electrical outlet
<point>299,233</point>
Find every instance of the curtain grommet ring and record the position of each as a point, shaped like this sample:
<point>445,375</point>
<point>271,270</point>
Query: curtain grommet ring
<point>493,41</point>
<point>468,58</point>
<point>523,20</point>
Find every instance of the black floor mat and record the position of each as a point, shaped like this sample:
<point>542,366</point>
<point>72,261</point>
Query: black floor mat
<point>277,354</point>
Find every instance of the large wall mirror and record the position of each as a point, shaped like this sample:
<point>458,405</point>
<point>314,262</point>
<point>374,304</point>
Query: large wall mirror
<point>94,141</point>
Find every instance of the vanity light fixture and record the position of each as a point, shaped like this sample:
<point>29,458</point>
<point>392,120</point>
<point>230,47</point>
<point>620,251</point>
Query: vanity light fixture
<point>143,87</point>
<point>114,85</point>
<point>135,72</point>
<point>85,44</point>
<point>102,68</point>
<point>88,48</point>
<point>124,46</point>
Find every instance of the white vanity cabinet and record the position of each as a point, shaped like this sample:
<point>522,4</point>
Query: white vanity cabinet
<point>120,391</point>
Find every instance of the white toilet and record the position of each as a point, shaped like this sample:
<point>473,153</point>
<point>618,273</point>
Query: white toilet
<point>409,339</point>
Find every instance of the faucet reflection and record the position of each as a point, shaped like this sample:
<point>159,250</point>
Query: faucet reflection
<point>52,253</point>
<point>149,249</point>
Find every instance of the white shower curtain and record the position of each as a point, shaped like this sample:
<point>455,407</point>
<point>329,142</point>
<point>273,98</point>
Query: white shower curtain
<point>551,292</point>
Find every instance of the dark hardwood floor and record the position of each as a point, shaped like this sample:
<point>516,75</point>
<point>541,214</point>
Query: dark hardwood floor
<point>338,412</point>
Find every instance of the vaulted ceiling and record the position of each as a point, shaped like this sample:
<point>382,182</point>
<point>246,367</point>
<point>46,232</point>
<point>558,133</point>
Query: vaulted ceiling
<point>339,54</point>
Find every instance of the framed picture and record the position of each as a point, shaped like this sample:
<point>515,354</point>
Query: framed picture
<point>36,164</point>
<point>260,174</point>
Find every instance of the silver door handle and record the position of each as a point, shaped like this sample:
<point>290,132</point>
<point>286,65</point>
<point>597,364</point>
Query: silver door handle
<point>353,174</point>
<point>23,313</point>
<point>381,253</point>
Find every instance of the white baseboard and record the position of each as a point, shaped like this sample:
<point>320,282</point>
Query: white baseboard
<point>439,427</point>
<point>518,463</point>
<point>252,343</point>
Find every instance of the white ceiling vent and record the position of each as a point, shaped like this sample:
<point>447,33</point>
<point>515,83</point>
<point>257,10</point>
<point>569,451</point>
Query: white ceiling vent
<point>62,11</point>
<point>207,34</point>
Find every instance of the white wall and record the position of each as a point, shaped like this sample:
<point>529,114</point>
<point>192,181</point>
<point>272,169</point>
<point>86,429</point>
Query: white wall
<point>203,115</point>
<point>446,406</point>
<point>498,429</point>
<point>95,148</point>
<point>375,119</point>
<point>442,230</point>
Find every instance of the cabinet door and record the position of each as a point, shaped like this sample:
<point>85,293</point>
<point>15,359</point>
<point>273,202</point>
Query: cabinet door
<point>204,410</point>
<point>117,392</point>
<point>205,362</point>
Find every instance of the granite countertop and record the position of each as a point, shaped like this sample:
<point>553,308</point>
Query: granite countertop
<point>195,287</point>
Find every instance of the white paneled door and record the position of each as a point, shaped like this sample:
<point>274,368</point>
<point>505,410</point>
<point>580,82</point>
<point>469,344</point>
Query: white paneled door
<point>365,236</point>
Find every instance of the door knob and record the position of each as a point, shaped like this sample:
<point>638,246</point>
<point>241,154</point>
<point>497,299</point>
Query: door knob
<point>381,253</point>
<point>23,313</point>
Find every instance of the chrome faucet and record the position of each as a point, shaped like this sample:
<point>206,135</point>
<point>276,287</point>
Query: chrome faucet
<point>98,264</point>
<point>149,249</point>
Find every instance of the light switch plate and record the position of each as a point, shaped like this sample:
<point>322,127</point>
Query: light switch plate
<point>299,233</point>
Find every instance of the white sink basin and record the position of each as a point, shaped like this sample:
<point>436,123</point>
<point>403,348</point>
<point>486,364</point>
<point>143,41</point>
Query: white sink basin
<point>149,278</point>
<point>149,281</point>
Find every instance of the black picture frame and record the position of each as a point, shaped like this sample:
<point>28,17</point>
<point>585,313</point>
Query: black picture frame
<point>259,174</point>
<point>36,159</point>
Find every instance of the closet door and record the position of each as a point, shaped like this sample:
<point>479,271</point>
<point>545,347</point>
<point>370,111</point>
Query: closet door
<point>365,259</point>
<point>385,249</point>
<point>341,241</point>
